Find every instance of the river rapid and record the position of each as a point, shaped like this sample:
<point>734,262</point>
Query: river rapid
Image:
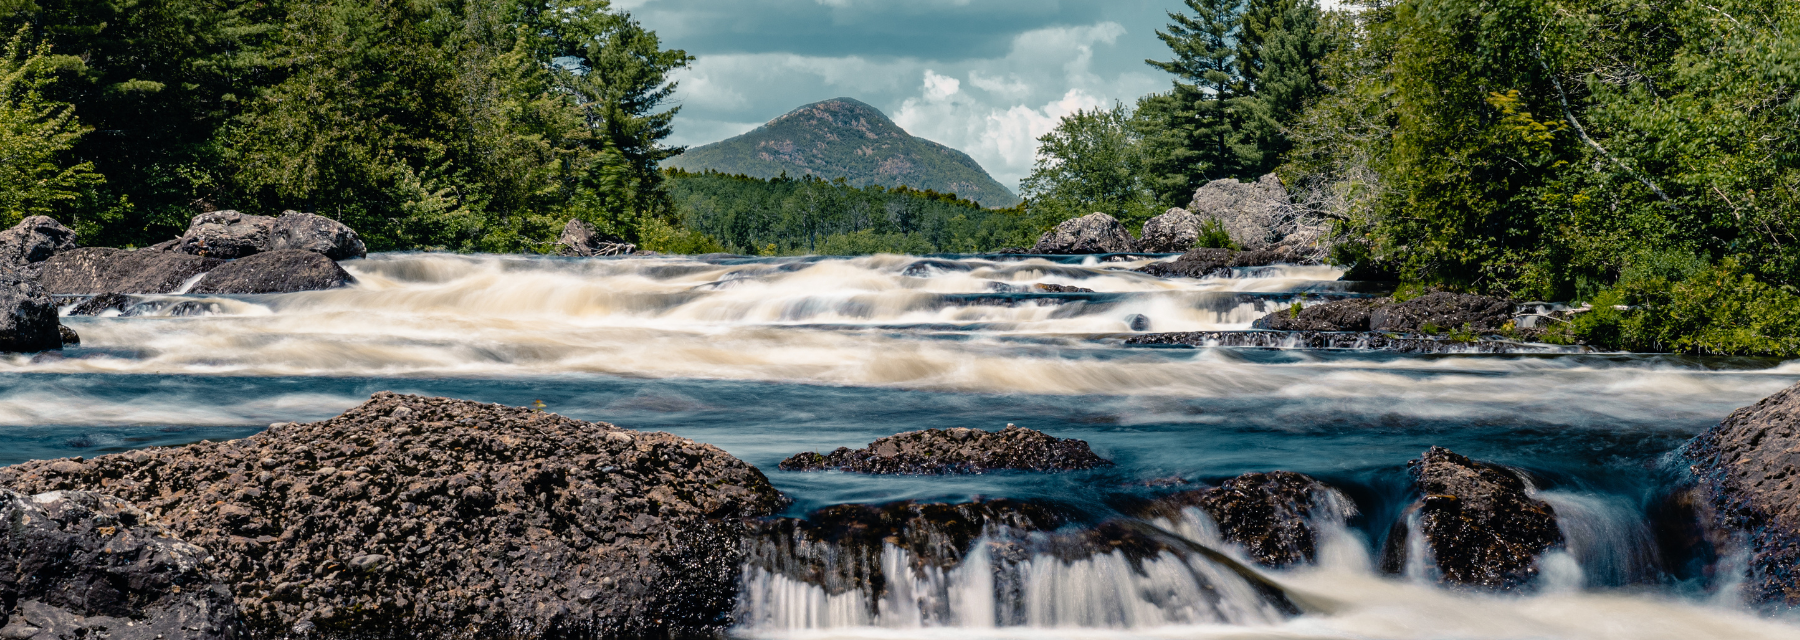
<point>767,357</point>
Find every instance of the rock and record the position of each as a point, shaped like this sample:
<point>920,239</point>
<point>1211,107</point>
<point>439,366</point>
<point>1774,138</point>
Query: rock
<point>226,235</point>
<point>97,270</point>
<point>1444,311</point>
<point>34,239</point>
<point>1746,471</point>
<point>279,271</point>
<point>315,233</point>
<point>101,304</point>
<point>1045,287</point>
<point>1359,340</point>
<point>1336,315</point>
<point>1172,232</point>
<point>69,337</point>
<point>1137,322</point>
<point>1272,515</point>
<point>1205,262</point>
<point>580,239</point>
<point>85,565</point>
<point>955,451</point>
<point>28,320</point>
<point>1092,233</point>
<point>1481,527</point>
<point>1257,215</point>
<point>496,520</point>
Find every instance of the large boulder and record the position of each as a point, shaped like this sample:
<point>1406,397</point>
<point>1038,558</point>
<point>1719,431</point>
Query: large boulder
<point>1444,311</point>
<point>1092,233</point>
<point>1748,474</point>
<point>955,451</point>
<point>226,235</point>
<point>1274,516</point>
<point>1337,315</point>
<point>280,271</point>
<point>315,233</point>
<point>28,319</point>
<point>34,239</point>
<point>1255,214</point>
<point>95,270</point>
<point>76,565</point>
<point>1172,232</point>
<point>582,240</point>
<point>416,517</point>
<point>1481,527</point>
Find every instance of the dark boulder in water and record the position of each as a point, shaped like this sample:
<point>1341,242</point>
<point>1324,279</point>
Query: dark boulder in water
<point>28,320</point>
<point>101,304</point>
<point>69,337</point>
<point>315,233</point>
<point>96,270</point>
<point>1271,515</point>
<point>1092,233</point>
<point>1481,527</point>
<point>1443,310</point>
<point>416,517</point>
<point>226,235</point>
<point>955,451</point>
<point>1337,315</point>
<point>1748,475</point>
<point>280,271</point>
<point>1207,262</point>
<point>34,239</point>
<point>580,239</point>
<point>75,564</point>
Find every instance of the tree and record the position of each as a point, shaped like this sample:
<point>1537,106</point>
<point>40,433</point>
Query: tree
<point>1199,112</point>
<point>37,136</point>
<point>1092,161</point>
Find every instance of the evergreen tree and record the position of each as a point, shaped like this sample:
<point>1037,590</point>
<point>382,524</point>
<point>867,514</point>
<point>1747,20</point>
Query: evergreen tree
<point>37,135</point>
<point>1207,77</point>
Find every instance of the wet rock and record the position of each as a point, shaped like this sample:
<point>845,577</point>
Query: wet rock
<point>1480,526</point>
<point>1364,341</point>
<point>101,304</point>
<point>1747,472</point>
<point>1336,315</point>
<point>315,233</point>
<point>95,270</point>
<point>69,337</point>
<point>1207,262</point>
<point>1037,287</point>
<point>226,235</point>
<point>955,451</point>
<point>1137,322</point>
<point>28,321</point>
<point>1444,311</point>
<point>85,565</point>
<point>496,522</point>
<point>280,271</point>
<point>1092,233</point>
<point>34,239</point>
<point>1271,515</point>
<point>1172,232</point>
<point>581,239</point>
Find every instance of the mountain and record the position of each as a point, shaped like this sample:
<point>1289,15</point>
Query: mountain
<point>844,138</point>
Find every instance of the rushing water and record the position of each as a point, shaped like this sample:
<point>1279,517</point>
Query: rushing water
<point>769,357</point>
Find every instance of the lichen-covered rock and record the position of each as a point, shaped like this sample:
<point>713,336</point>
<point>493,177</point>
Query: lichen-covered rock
<point>34,239</point>
<point>580,239</point>
<point>96,270</point>
<point>27,315</point>
<point>416,517</point>
<point>1255,214</point>
<point>1172,232</point>
<point>1748,477</point>
<point>315,233</point>
<point>1443,310</point>
<point>78,565</point>
<point>226,235</point>
<point>1092,233</point>
<point>280,271</point>
<point>1273,515</point>
<point>1336,315</point>
<point>1481,527</point>
<point>955,451</point>
<point>1207,262</point>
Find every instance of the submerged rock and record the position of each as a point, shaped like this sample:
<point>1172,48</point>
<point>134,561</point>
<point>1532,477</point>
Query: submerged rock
<point>1208,262</point>
<point>416,517</point>
<point>280,271</point>
<point>98,270</point>
<point>582,240</point>
<point>1336,315</point>
<point>1271,515</point>
<point>315,233</point>
<point>226,235</point>
<point>28,320</point>
<point>101,304</point>
<point>1748,475</point>
<point>69,337</point>
<point>1092,233</point>
<point>1174,231</point>
<point>34,239</point>
<point>1481,528</point>
<point>75,564</point>
<point>1443,310</point>
<point>955,451</point>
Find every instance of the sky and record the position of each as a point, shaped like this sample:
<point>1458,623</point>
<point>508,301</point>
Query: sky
<point>984,76</point>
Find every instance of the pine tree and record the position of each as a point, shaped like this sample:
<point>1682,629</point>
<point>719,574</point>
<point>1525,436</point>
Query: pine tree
<point>1279,54</point>
<point>1201,116</point>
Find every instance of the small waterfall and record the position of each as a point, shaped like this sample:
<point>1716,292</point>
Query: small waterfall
<point>1607,538</point>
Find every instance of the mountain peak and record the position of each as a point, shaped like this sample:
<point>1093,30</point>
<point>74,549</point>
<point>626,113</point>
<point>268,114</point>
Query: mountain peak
<point>846,138</point>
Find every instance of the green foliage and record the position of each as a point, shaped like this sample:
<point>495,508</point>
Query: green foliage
<point>1214,236</point>
<point>1718,310</point>
<point>1091,161</point>
<point>37,135</point>
<point>844,138</point>
<point>785,216</point>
